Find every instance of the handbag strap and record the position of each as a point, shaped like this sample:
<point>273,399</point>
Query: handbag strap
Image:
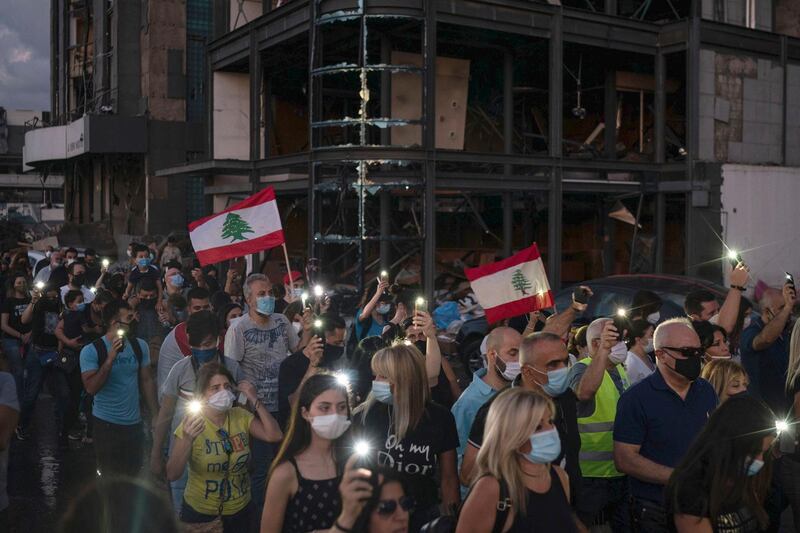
<point>502,508</point>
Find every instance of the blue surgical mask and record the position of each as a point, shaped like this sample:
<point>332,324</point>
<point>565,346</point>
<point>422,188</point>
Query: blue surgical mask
<point>144,262</point>
<point>545,447</point>
<point>81,307</point>
<point>383,309</point>
<point>382,391</point>
<point>176,280</point>
<point>265,305</point>
<point>556,382</point>
<point>754,467</point>
<point>204,356</point>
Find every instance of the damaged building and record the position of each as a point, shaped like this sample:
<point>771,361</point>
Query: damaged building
<point>422,135</point>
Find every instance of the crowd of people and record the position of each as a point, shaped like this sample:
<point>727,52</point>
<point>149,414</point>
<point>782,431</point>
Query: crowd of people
<point>260,408</point>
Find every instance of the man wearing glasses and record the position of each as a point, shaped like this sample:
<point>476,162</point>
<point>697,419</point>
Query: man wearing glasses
<point>658,418</point>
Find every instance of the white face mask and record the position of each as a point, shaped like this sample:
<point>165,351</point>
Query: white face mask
<point>618,353</point>
<point>513,368</point>
<point>221,401</point>
<point>650,347</point>
<point>297,327</point>
<point>330,427</point>
<point>746,323</point>
<point>653,318</point>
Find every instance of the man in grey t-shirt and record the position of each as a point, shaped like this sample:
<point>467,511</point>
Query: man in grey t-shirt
<point>9,415</point>
<point>260,341</point>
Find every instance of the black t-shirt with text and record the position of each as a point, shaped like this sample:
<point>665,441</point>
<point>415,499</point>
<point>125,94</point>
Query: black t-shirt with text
<point>14,307</point>
<point>46,314</point>
<point>416,457</point>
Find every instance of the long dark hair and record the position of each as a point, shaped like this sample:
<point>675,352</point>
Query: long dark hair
<point>386,477</point>
<point>298,434</point>
<point>11,280</point>
<point>720,457</point>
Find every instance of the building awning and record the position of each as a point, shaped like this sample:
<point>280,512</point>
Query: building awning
<point>90,134</point>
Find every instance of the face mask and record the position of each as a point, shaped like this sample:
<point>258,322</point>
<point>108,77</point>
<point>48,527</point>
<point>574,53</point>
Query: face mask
<point>556,382</point>
<point>297,327</point>
<point>81,308</point>
<point>144,262</point>
<point>176,280</point>
<point>70,261</point>
<point>204,355</point>
<point>181,315</point>
<point>297,292</point>
<point>653,318</point>
<point>78,280</point>
<point>331,353</point>
<point>128,252</point>
<point>746,323</point>
<point>545,447</point>
<point>222,401</point>
<point>265,305</point>
<point>688,368</point>
<point>47,254</point>
<point>422,346</point>
<point>618,353</point>
<point>147,303</point>
<point>383,309</point>
<point>382,391</point>
<point>509,370</point>
<point>650,346</point>
<point>330,427</point>
<point>754,467</point>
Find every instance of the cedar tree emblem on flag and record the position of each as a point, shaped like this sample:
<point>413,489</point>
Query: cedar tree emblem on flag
<point>511,287</point>
<point>235,227</point>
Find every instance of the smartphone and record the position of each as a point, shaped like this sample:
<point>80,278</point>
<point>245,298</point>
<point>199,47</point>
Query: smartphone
<point>319,330</point>
<point>735,258</point>
<point>420,305</point>
<point>242,399</point>
<point>580,295</point>
<point>367,459</point>
<point>622,324</point>
<point>789,279</point>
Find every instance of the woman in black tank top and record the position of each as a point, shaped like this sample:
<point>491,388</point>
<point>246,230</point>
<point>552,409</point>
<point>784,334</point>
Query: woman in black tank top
<point>516,488</point>
<point>302,492</point>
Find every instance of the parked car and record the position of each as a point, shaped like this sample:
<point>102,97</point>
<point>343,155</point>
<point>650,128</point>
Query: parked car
<point>614,292</point>
<point>34,256</point>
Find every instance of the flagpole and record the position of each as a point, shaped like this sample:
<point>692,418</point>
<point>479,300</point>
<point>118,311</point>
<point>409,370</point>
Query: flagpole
<point>288,270</point>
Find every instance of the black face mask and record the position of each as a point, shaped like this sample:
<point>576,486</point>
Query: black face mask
<point>78,280</point>
<point>742,394</point>
<point>331,354</point>
<point>147,303</point>
<point>688,368</point>
<point>422,346</point>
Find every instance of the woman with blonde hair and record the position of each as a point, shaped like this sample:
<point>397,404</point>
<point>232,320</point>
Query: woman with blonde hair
<point>515,475</point>
<point>410,434</point>
<point>728,378</point>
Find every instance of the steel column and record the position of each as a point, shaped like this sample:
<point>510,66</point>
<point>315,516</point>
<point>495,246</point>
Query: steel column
<point>508,223</point>
<point>660,105</point>
<point>430,52</point>
<point>554,224</point>
<point>610,115</point>
<point>556,86</point>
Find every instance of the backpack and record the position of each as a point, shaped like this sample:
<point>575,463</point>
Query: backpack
<point>447,524</point>
<point>102,351</point>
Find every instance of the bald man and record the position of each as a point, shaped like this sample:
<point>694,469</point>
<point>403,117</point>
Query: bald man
<point>658,418</point>
<point>765,348</point>
<point>502,355</point>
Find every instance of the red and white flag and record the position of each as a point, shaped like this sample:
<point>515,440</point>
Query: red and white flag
<point>513,286</point>
<point>251,226</point>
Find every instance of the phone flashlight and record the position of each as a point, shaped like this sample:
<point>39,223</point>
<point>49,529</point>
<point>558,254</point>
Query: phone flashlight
<point>781,426</point>
<point>93,290</point>
<point>318,324</point>
<point>120,333</point>
<point>789,279</point>
<point>304,298</point>
<point>195,407</point>
<point>318,291</point>
<point>342,379</point>
<point>384,276</point>
<point>734,258</point>
<point>362,448</point>
<point>40,285</point>
<point>106,262</point>
<point>420,305</point>
<point>621,322</point>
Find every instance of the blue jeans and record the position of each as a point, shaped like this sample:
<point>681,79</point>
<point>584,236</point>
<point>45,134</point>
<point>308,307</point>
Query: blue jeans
<point>605,500</point>
<point>35,376</point>
<point>16,364</point>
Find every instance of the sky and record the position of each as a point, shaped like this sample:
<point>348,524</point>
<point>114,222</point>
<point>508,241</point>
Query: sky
<point>25,54</point>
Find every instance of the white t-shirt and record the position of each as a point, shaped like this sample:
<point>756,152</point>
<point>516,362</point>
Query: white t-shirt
<point>260,351</point>
<point>88,295</point>
<point>636,369</point>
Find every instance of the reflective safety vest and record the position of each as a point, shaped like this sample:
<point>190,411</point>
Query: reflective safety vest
<point>597,431</point>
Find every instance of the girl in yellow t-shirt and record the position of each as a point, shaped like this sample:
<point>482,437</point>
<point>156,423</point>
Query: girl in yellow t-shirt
<point>216,444</point>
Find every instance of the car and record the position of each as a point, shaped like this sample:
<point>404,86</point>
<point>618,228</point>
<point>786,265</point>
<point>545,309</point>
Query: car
<point>34,256</point>
<point>614,292</point>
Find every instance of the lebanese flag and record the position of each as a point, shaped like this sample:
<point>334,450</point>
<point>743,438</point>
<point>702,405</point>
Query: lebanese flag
<point>511,287</point>
<point>251,226</point>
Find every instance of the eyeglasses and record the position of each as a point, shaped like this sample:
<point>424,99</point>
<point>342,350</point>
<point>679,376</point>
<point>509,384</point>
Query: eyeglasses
<point>388,507</point>
<point>226,441</point>
<point>686,352</point>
